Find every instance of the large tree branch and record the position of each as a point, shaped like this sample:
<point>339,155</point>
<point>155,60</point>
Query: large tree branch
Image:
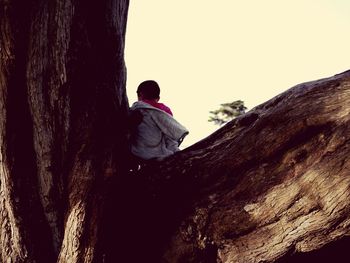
<point>271,181</point>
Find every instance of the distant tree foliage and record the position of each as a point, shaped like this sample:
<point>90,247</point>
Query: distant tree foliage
<point>227,112</point>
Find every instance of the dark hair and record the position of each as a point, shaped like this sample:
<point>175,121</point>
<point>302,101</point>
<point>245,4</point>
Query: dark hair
<point>149,89</point>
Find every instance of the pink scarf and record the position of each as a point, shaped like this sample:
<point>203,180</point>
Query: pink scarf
<point>158,105</point>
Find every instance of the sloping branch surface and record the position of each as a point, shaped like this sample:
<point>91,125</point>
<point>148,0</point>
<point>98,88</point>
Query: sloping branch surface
<point>273,181</point>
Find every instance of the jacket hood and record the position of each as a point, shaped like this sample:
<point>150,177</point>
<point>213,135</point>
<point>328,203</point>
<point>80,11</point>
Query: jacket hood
<point>143,105</point>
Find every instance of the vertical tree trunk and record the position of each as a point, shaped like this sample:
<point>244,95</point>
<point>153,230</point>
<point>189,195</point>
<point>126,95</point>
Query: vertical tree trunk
<point>62,100</point>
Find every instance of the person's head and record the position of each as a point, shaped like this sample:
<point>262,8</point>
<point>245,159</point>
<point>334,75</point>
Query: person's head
<point>148,90</point>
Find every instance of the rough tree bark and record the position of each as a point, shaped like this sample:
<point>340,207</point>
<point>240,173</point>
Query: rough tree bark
<point>62,98</point>
<point>271,182</point>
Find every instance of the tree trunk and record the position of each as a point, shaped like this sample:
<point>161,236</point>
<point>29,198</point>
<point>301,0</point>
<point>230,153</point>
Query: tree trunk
<point>62,100</point>
<point>270,183</point>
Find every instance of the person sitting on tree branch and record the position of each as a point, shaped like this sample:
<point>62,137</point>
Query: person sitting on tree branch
<point>155,133</point>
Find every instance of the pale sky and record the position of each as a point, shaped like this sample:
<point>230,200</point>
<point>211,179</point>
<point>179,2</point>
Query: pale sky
<point>204,52</point>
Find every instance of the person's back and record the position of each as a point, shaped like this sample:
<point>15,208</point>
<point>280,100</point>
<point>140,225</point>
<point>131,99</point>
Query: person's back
<point>157,134</point>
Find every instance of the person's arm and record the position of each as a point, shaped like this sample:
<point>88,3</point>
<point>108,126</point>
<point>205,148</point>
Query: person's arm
<point>169,126</point>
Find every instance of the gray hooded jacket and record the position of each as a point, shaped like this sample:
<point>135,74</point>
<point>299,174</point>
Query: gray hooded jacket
<point>158,135</point>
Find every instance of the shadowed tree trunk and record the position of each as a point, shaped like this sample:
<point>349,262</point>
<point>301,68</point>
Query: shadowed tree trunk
<point>271,182</point>
<point>62,100</point>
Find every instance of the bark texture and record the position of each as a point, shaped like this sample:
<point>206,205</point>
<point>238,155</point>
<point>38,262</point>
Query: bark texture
<point>62,98</point>
<point>270,183</point>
